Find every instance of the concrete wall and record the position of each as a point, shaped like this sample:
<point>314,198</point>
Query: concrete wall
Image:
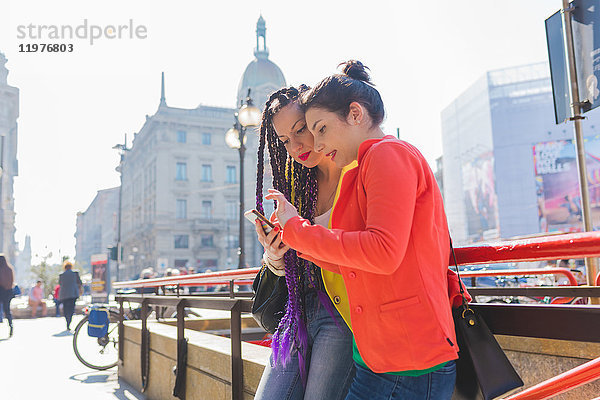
<point>209,365</point>
<point>539,359</point>
<point>209,362</point>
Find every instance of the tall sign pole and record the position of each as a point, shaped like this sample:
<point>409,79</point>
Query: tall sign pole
<point>242,150</point>
<point>591,264</point>
<point>122,149</point>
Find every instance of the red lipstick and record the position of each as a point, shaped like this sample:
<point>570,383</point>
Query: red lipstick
<point>304,156</point>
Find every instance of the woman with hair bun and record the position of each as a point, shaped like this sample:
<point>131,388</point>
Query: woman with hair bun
<point>388,239</point>
<point>312,346</point>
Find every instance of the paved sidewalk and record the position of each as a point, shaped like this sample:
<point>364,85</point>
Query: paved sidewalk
<point>38,363</point>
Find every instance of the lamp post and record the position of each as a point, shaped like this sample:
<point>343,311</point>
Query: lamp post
<point>247,116</point>
<point>122,149</point>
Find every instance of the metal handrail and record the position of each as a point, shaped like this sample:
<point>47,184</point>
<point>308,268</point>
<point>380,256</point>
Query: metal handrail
<point>206,278</point>
<point>537,291</point>
<point>514,272</point>
<point>572,245</point>
<point>577,245</point>
<point>234,306</point>
<point>566,381</point>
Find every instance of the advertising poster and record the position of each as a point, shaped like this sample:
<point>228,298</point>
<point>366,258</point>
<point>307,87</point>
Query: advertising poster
<point>557,185</point>
<point>481,201</point>
<point>99,277</point>
<point>586,40</point>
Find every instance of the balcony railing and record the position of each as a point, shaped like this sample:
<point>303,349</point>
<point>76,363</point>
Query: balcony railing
<point>577,323</point>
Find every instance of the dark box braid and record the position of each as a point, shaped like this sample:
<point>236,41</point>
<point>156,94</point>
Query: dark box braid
<point>299,185</point>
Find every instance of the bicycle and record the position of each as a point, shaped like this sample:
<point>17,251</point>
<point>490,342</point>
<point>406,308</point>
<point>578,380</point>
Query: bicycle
<point>100,353</point>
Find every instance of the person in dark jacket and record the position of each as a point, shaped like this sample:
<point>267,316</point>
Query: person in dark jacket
<point>70,286</point>
<point>7,276</point>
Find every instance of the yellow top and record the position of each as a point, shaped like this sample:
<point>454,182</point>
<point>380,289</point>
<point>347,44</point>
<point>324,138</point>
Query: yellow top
<point>334,283</point>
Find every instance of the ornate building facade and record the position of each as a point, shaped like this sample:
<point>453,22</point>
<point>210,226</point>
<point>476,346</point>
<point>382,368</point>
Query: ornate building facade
<point>180,182</point>
<point>9,113</point>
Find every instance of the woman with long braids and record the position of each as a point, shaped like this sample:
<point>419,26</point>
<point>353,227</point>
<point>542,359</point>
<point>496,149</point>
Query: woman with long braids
<point>312,347</point>
<point>389,240</point>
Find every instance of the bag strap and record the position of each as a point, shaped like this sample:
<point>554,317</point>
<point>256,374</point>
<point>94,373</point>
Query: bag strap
<point>460,285</point>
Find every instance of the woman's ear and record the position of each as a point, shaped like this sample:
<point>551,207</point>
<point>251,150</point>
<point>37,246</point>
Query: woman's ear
<point>356,113</point>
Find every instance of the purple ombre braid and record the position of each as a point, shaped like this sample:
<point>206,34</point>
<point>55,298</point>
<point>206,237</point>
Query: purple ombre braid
<point>288,176</point>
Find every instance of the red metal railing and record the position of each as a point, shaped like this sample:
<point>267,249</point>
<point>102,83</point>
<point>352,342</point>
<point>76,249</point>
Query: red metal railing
<point>568,380</point>
<point>573,245</point>
<point>241,276</point>
<point>514,272</point>
<point>576,245</point>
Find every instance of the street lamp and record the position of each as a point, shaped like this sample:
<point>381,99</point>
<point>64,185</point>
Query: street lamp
<point>247,116</point>
<point>122,150</point>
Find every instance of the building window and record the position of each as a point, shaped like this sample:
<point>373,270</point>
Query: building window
<point>205,265</point>
<point>231,175</point>
<point>181,241</point>
<point>181,172</point>
<point>206,173</point>
<point>233,242</point>
<point>207,241</point>
<point>206,139</point>
<point>206,209</point>
<point>181,136</point>
<point>181,209</point>
<point>232,210</point>
<point>181,264</point>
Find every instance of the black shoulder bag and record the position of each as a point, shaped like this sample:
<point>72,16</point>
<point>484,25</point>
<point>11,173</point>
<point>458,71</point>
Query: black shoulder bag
<point>482,370</point>
<point>270,298</point>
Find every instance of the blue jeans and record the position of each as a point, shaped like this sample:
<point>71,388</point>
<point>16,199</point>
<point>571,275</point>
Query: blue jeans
<point>330,366</point>
<point>437,385</point>
<point>6,296</point>
<point>57,307</point>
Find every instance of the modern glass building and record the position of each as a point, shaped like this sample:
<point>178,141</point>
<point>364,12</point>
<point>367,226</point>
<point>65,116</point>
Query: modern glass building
<point>509,170</point>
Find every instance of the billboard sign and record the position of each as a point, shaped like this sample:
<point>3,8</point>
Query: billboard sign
<point>481,201</point>
<point>557,185</point>
<point>558,67</point>
<point>100,283</point>
<point>585,22</point>
<point>586,42</point>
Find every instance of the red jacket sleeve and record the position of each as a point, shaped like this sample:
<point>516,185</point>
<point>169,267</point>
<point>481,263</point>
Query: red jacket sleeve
<point>391,174</point>
<point>454,290</point>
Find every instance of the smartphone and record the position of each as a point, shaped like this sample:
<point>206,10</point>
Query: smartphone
<point>253,215</point>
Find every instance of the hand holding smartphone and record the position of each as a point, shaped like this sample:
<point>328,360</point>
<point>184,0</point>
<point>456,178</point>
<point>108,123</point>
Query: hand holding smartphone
<point>253,215</point>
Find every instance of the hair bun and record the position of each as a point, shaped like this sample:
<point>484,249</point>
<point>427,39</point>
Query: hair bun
<point>356,70</point>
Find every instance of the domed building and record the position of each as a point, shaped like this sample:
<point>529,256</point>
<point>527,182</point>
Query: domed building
<point>180,182</point>
<point>262,75</point>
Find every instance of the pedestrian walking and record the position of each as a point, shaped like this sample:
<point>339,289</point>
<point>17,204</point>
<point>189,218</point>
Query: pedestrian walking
<point>70,287</point>
<point>7,277</point>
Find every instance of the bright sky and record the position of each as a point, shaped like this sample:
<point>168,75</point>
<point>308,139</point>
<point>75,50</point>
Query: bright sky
<point>75,106</point>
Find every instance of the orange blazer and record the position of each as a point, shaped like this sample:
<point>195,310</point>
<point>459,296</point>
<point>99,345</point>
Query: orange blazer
<point>389,240</point>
